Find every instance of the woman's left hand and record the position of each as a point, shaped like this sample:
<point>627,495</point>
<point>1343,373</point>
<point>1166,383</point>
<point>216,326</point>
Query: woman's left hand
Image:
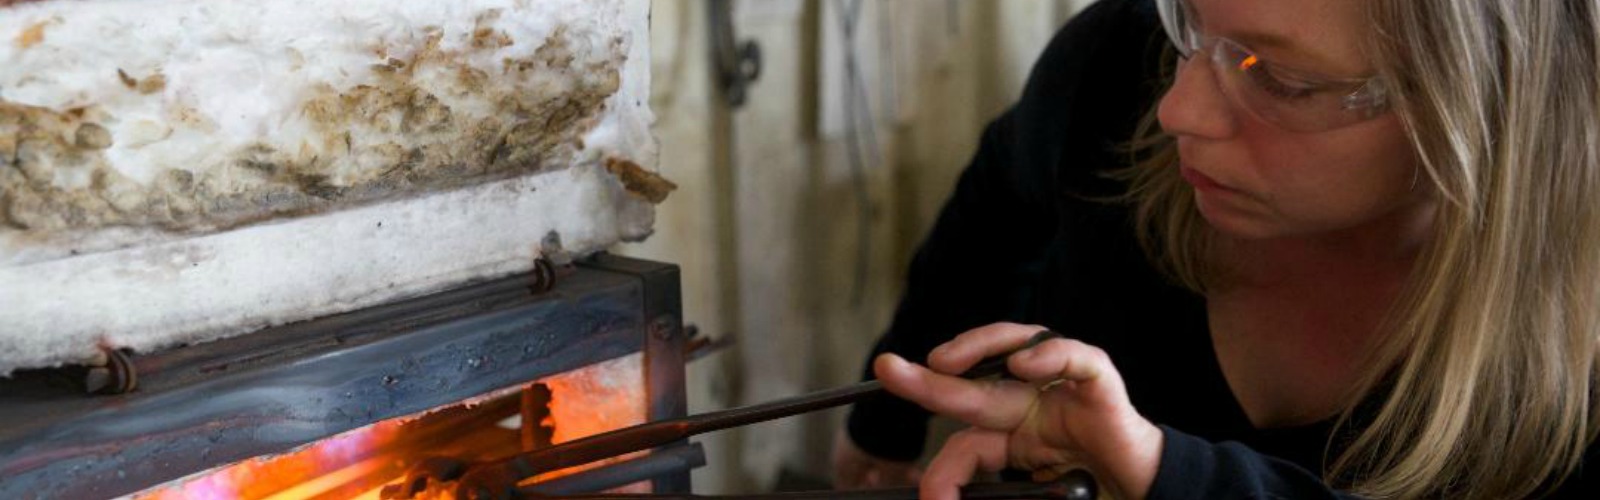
<point>1069,408</point>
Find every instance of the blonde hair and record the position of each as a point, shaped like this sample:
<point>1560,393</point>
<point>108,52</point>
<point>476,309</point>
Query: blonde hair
<point>1486,370</point>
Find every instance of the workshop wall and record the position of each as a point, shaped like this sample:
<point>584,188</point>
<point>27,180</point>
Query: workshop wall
<point>797,212</point>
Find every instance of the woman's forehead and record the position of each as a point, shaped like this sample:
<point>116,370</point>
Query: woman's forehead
<point>1318,35</point>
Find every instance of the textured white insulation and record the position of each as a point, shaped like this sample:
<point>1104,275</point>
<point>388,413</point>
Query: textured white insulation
<point>99,246</point>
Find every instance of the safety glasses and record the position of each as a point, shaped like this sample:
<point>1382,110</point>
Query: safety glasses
<point>1291,99</point>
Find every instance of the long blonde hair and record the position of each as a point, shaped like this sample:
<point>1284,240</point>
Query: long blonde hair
<point>1487,364</point>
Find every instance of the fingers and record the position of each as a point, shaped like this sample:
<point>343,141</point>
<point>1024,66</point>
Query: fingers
<point>1047,363</point>
<point>847,458</point>
<point>1059,359</point>
<point>1053,362</point>
<point>967,349</point>
<point>910,475</point>
<point>854,468</point>
<point>882,474</point>
<point>992,404</point>
<point>885,475</point>
<point>962,456</point>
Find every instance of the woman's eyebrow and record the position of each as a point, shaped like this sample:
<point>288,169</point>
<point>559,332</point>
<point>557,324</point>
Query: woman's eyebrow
<point>1282,47</point>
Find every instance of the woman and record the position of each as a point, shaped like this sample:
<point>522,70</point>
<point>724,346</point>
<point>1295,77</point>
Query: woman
<point>1383,252</point>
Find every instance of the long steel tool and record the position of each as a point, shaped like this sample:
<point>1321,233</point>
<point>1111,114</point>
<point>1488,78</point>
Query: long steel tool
<point>1074,485</point>
<point>498,479</point>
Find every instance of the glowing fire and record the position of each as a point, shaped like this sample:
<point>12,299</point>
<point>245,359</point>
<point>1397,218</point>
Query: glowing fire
<point>359,463</point>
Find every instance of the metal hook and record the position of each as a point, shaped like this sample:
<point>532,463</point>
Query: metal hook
<point>116,376</point>
<point>738,63</point>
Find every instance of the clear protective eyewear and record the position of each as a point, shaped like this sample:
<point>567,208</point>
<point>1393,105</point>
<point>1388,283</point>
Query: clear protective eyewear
<point>1294,100</point>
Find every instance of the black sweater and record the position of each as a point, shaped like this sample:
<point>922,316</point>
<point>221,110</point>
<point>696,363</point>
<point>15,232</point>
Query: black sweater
<point>1028,236</point>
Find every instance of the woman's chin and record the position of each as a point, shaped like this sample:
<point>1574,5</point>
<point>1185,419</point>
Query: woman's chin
<point>1235,223</point>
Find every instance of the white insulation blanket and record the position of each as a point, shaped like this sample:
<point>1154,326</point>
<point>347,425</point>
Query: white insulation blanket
<point>175,171</point>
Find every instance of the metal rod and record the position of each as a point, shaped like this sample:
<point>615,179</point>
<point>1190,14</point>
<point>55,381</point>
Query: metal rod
<point>1075,485</point>
<point>497,479</point>
<point>674,458</point>
<point>654,434</point>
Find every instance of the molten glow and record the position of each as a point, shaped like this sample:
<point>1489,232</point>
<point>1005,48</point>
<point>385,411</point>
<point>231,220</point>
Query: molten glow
<point>594,399</point>
<point>320,485</point>
<point>359,463</point>
<point>303,470</point>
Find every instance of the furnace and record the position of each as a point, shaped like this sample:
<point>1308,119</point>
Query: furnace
<point>302,249</point>
<point>342,406</point>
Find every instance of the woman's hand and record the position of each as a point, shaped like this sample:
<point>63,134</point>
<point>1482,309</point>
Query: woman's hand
<point>1069,408</point>
<point>854,468</point>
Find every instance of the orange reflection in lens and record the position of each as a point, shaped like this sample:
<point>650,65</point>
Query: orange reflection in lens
<point>1248,62</point>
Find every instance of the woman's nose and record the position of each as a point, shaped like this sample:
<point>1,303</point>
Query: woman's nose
<point>1195,105</point>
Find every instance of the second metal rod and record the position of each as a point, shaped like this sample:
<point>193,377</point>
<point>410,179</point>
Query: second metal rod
<point>654,434</point>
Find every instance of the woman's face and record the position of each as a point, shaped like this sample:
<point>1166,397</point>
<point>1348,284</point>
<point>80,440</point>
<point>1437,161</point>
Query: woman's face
<point>1253,179</point>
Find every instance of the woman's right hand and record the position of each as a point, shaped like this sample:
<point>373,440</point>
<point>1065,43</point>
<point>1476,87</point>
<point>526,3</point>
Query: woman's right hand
<point>1068,407</point>
<point>854,468</point>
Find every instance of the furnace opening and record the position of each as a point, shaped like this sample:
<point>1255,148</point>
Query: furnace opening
<point>380,460</point>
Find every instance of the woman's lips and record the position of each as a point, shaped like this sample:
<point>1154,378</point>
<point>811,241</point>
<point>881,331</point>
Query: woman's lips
<point>1201,181</point>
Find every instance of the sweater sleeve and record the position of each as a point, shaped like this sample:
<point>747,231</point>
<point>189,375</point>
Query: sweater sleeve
<point>1192,467</point>
<point>967,273</point>
<point>991,240</point>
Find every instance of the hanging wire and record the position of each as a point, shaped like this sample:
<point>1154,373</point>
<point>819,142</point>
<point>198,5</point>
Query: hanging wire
<point>859,121</point>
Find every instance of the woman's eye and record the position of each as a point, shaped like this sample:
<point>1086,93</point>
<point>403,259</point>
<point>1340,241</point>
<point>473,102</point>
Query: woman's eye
<point>1262,75</point>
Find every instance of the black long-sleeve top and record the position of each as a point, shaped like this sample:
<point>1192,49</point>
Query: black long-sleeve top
<point>1029,236</point>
